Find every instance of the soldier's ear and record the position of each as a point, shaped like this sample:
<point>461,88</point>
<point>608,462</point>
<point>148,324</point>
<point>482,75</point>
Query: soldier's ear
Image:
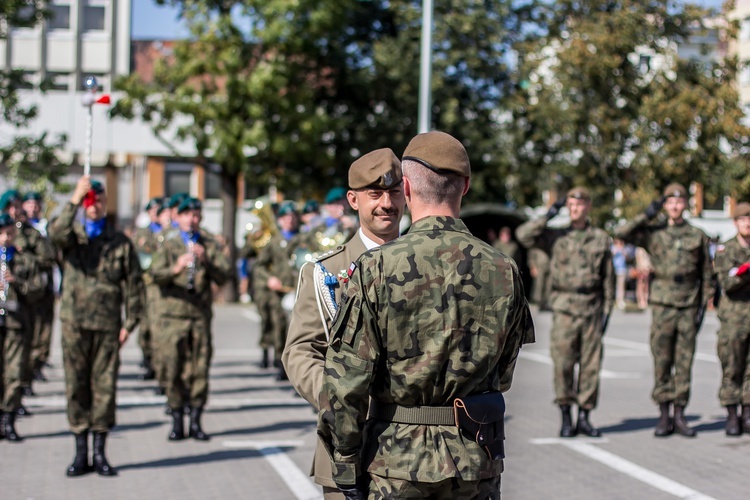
<point>351,197</point>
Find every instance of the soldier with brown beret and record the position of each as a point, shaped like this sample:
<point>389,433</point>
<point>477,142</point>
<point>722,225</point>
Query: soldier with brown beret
<point>683,283</point>
<point>733,272</point>
<point>581,298</point>
<point>376,193</point>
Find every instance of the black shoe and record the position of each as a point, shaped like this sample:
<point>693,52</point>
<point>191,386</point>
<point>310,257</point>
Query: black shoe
<point>733,427</point>
<point>27,391</point>
<point>195,425</point>
<point>101,465</point>
<point>264,361</point>
<point>746,418</point>
<point>22,411</point>
<point>282,376</point>
<point>149,373</point>
<point>566,430</point>
<point>584,426</point>
<point>80,465</point>
<point>680,424</point>
<point>160,391</point>
<point>178,426</point>
<point>665,425</point>
<point>9,427</point>
<point>168,411</point>
<point>38,375</point>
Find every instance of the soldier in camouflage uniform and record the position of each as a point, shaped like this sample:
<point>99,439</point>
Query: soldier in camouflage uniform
<point>683,283</point>
<point>376,192</point>
<point>583,291</point>
<point>19,279</point>
<point>733,272</point>
<point>101,275</point>
<point>29,240</point>
<point>146,242</point>
<point>45,306</point>
<point>426,321</point>
<point>274,276</point>
<point>506,245</point>
<point>184,267</point>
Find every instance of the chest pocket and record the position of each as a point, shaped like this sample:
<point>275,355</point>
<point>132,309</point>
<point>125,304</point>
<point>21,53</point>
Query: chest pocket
<point>112,263</point>
<point>577,262</point>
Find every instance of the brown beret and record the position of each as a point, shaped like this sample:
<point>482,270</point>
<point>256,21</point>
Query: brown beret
<point>379,169</point>
<point>675,190</point>
<point>440,153</point>
<point>579,193</point>
<point>742,210</point>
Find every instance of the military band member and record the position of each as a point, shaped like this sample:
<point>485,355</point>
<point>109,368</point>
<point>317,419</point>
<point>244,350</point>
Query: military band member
<point>429,329</point>
<point>582,296</point>
<point>19,278</point>
<point>101,276</point>
<point>184,267</point>
<point>682,285</point>
<point>733,272</point>
<point>376,193</point>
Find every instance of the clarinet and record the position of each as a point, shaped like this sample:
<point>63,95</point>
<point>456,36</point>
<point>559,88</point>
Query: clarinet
<point>191,265</point>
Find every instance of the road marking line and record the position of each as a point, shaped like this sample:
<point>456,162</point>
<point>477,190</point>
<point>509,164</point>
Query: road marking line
<point>587,448</point>
<point>297,481</point>
<point>545,359</point>
<point>128,400</point>
<point>641,346</point>
<point>251,314</point>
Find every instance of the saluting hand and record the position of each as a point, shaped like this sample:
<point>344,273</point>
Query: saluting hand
<point>655,207</point>
<point>555,208</point>
<point>82,187</point>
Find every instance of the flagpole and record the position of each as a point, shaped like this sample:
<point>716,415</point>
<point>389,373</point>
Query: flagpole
<point>91,86</point>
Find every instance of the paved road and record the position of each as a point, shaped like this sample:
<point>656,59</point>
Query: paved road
<point>263,434</point>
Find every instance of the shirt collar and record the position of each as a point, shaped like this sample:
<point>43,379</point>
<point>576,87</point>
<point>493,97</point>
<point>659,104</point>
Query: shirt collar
<point>369,244</point>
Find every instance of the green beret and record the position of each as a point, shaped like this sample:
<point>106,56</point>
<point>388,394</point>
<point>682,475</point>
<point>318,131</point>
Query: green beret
<point>154,202</point>
<point>335,194</point>
<point>176,199</point>
<point>189,203</point>
<point>310,207</point>
<point>440,153</point>
<point>97,187</point>
<point>579,193</point>
<point>675,190</point>
<point>6,220</point>
<point>286,208</point>
<point>379,169</point>
<point>742,210</point>
<point>33,195</point>
<point>9,197</point>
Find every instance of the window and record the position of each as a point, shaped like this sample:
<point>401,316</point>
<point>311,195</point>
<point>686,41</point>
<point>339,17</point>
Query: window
<point>60,19</point>
<point>94,17</point>
<point>644,64</point>
<point>26,81</point>
<point>745,30</point>
<point>213,185</point>
<point>57,81</point>
<point>176,181</point>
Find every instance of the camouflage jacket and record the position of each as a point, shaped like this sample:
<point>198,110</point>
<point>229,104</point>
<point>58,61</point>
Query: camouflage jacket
<point>100,276</point>
<point>30,240</point>
<point>510,249</point>
<point>176,299</point>
<point>146,243</point>
<point>581,269</point>
<point>683,273</point>
<point>278,259</point>
<point>27,282</point>
<point>431,316</point>
<point>734,307</point>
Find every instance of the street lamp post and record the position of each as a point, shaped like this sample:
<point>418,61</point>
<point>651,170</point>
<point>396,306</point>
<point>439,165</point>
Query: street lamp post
<point>91,86</point>
<point>425,69</point>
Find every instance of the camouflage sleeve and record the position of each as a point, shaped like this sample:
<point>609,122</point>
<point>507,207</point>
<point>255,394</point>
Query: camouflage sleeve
<point>61,231</point>
<point>262,268</point>
<point>161,267</point>
<point>635,232</point>
<point>708,276</point>
<point>534,234</point>
<point>46,254</point>
<point>132,289</point>
<point>349,369</point>
<point>608,279</point>
<point>725,263</point>
<point>218,265</point>
<point>521,332</point>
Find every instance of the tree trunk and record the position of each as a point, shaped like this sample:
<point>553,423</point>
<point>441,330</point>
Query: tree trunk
<point>228,228</point>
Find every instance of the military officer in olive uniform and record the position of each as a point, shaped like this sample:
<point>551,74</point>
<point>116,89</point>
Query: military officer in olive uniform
<point>19,278</point>
<point>733,272</point>
<point>683,283</point>
<point>274,276</point>
<point>146,242</point>
<point>428,331</point>
<point>376,193</point>
<point>582,296</point>
<point>101,276</point>
<point>184,268</point>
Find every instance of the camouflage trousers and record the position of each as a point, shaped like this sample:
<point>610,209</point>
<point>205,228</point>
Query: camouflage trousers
<point>673,333</point>
<point>263,303</point>
<point>145,334</point>
<point>45,315</point>
<point>576,339</point>
<point>14,347</point>
<point>27,369</point>
<point>91,359</point>
<point>733,348</point>
<point>449,489</point>
<point>274,323</point>
<point>186,341</point>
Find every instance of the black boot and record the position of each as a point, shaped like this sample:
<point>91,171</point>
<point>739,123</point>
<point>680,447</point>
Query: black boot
<point>584,426</point>
<point>282,376</point>
<point>566,430</point>
<point>195,425</point>
<point>38,374</point>
<point>178,426</point>
<point>22,411</point>
<point>2,430</point>
<point>680,424</point>
<point>149,372</point>
<point>664,427</point>
<point>80,465</point>
<point>746,418</point>
<point>9,427</point>
<point>101,465</point>
<point>264,362</point>
<point>733,422</point>
<point>26,390</point>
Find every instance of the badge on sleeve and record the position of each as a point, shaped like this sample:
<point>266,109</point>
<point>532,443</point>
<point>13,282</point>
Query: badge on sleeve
<point>351,270</point>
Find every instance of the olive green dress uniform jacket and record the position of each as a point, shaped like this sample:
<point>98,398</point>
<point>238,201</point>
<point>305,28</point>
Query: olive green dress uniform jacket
<point>307,339</point>
<point>99,276</point>
<point>434,315</point>
<point>581,269</point>
<point>683,273</point>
